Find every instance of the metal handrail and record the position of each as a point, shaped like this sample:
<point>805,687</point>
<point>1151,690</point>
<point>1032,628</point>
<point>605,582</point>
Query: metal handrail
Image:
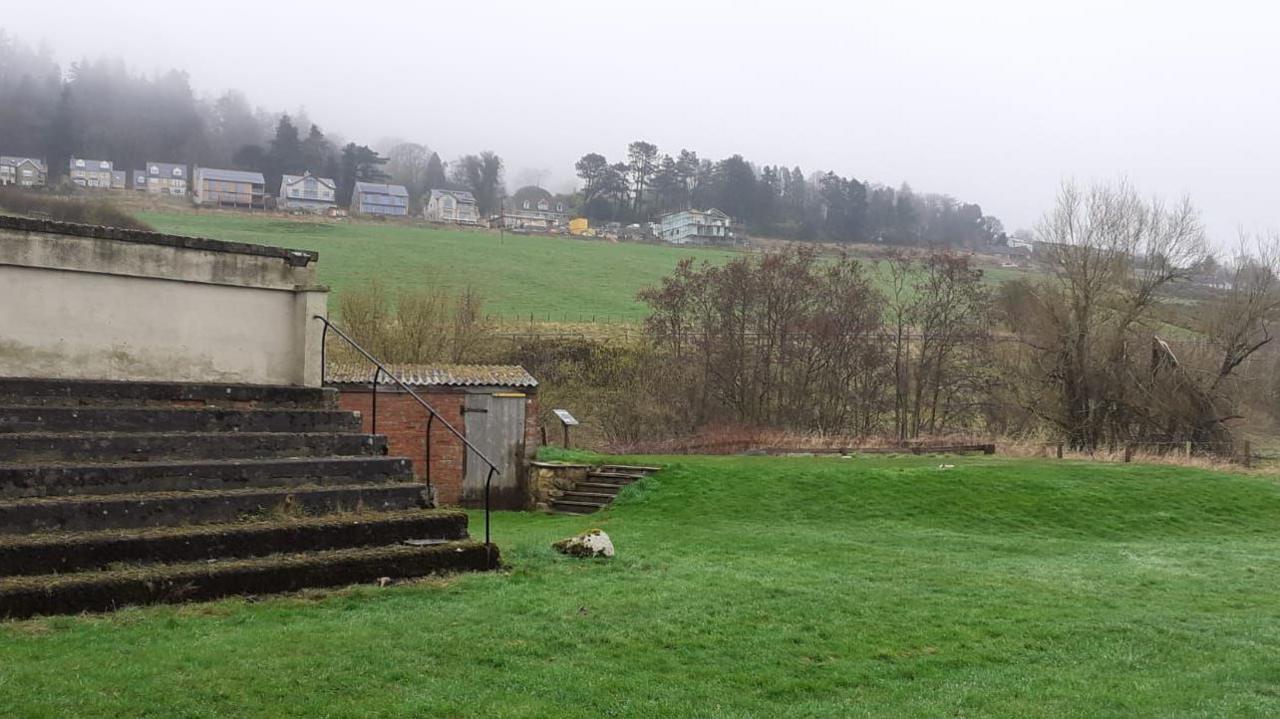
<point>432,413</point>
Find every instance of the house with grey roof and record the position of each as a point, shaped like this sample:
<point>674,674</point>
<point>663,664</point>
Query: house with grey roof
<point>533,208</point>
<point>119,179</point>
<point>94,174</point>
<point>23,171</point>
<point>307,193</point>
<point>455,206</point>
<point>376,198</point>
<point>240,189</point>
<point>163,178</point>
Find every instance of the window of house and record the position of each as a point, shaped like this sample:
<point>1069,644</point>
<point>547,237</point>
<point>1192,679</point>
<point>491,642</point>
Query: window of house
<point>177,172</point>
<point>155,170</point>
<point>104,165</point>
<point>79,163</point>
<point>526,204</point>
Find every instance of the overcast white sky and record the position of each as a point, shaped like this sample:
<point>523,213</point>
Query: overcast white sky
<point>994,102</point>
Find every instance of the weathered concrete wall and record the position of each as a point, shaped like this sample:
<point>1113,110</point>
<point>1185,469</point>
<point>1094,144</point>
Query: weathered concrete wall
<point>83,302</point>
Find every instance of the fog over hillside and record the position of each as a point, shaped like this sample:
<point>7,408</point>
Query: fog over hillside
<point>992,102</point>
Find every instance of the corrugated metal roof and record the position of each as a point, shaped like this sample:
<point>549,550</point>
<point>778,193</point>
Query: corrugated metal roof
<point>434,375</point>
<point>459,195</point>
<point>213,173</point>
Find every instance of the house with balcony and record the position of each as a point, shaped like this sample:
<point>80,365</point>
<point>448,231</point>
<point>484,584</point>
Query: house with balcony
<point>455,206</point>
<point>695,227</point>
<point>23,171</point>
<point>533,208</point>
<point>307,193</point>
<point>94,174</point>
<point>229,188</point>
<point>376,198</point>
<point>162,178</point>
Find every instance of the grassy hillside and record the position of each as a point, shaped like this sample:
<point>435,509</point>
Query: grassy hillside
<point>752,587</point>
<point>548,276</point>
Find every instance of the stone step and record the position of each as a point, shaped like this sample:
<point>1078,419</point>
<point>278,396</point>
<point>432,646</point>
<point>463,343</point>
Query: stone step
<point>145,419</point>
<point>53,480</point>
<point>629,469</point>
<point>599,487</point>
<point>151,446</point>
<point>579,495</point>
<point>70,392</point>
<point>576,506</point>
<point>165,583</point>
<point>161,509</point>
<point>61,553</point>
<point>613,478</point>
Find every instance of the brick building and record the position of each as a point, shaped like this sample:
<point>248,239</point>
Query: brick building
<point>495,407</point>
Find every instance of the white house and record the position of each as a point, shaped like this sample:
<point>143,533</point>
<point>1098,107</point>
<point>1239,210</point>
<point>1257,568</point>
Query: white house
<point>163,178</point>
<point>22,171</point>
<point>307,192</point>
<point>457,206</point>
<point>695,227</point>
<point>91,173</point>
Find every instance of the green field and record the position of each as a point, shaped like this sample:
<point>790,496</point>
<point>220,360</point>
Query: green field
<point>552,278</point>
<point>752,587</point>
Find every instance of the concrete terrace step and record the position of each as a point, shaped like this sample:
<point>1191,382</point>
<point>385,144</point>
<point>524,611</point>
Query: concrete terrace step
<point>91,551</point>
<point>138,419</point>
<point>31,391</point>
<point>50,480</point>
<point>108,590</point>
<point>161,509</point>
<point>150,446</point>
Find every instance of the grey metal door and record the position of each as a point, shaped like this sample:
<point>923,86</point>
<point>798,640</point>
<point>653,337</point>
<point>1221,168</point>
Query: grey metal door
<point>495,425</point>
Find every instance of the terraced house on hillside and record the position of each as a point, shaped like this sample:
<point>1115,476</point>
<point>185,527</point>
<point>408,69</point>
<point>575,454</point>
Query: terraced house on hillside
<point>307,192</point>
<point>375,198</point>
<point>457,206</point>
<point>22,171</point>
<point>229,188</point>
<point>91,173</point>
<point>161,178</point>
<point>534,208</point>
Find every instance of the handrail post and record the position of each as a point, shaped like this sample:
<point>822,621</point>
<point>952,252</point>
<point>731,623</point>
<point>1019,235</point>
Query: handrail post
<point>488,546</point>
<point>376,374</point>
<point>427,454</point>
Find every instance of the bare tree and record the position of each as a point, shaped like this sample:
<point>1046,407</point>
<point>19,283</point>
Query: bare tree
<point>1110,254</point>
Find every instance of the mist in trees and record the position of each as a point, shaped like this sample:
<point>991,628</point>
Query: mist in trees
<point>777,201</point>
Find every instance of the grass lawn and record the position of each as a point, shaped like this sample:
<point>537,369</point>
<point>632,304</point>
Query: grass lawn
<point>751,587</point>
<point>554,278</point>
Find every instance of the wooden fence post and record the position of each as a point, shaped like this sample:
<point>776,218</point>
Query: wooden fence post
<point>1060,450</point>
<point>1248,454</point>
<point>1188,448</point>
<point>1128,453</point>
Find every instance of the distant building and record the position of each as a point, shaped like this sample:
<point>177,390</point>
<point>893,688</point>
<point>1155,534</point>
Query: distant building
<point>375,198</point>
<point>119,179</point>
<point>139,180</point>
<point>229,188</point>
<point>533,208</point>
<point>457,206</point>
<point>307,192</point>
<point>695,227</point>
<point>91,173</point>
<point>163,178</point>
<point>23,171</point>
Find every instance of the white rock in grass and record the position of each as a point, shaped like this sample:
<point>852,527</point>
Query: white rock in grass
<point>592,543</point>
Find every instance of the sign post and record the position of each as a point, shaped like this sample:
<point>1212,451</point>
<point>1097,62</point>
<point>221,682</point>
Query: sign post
<point>567,421</point>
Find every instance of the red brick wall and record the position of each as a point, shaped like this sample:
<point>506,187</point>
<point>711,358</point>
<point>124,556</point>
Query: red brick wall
<point>404,422</point>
